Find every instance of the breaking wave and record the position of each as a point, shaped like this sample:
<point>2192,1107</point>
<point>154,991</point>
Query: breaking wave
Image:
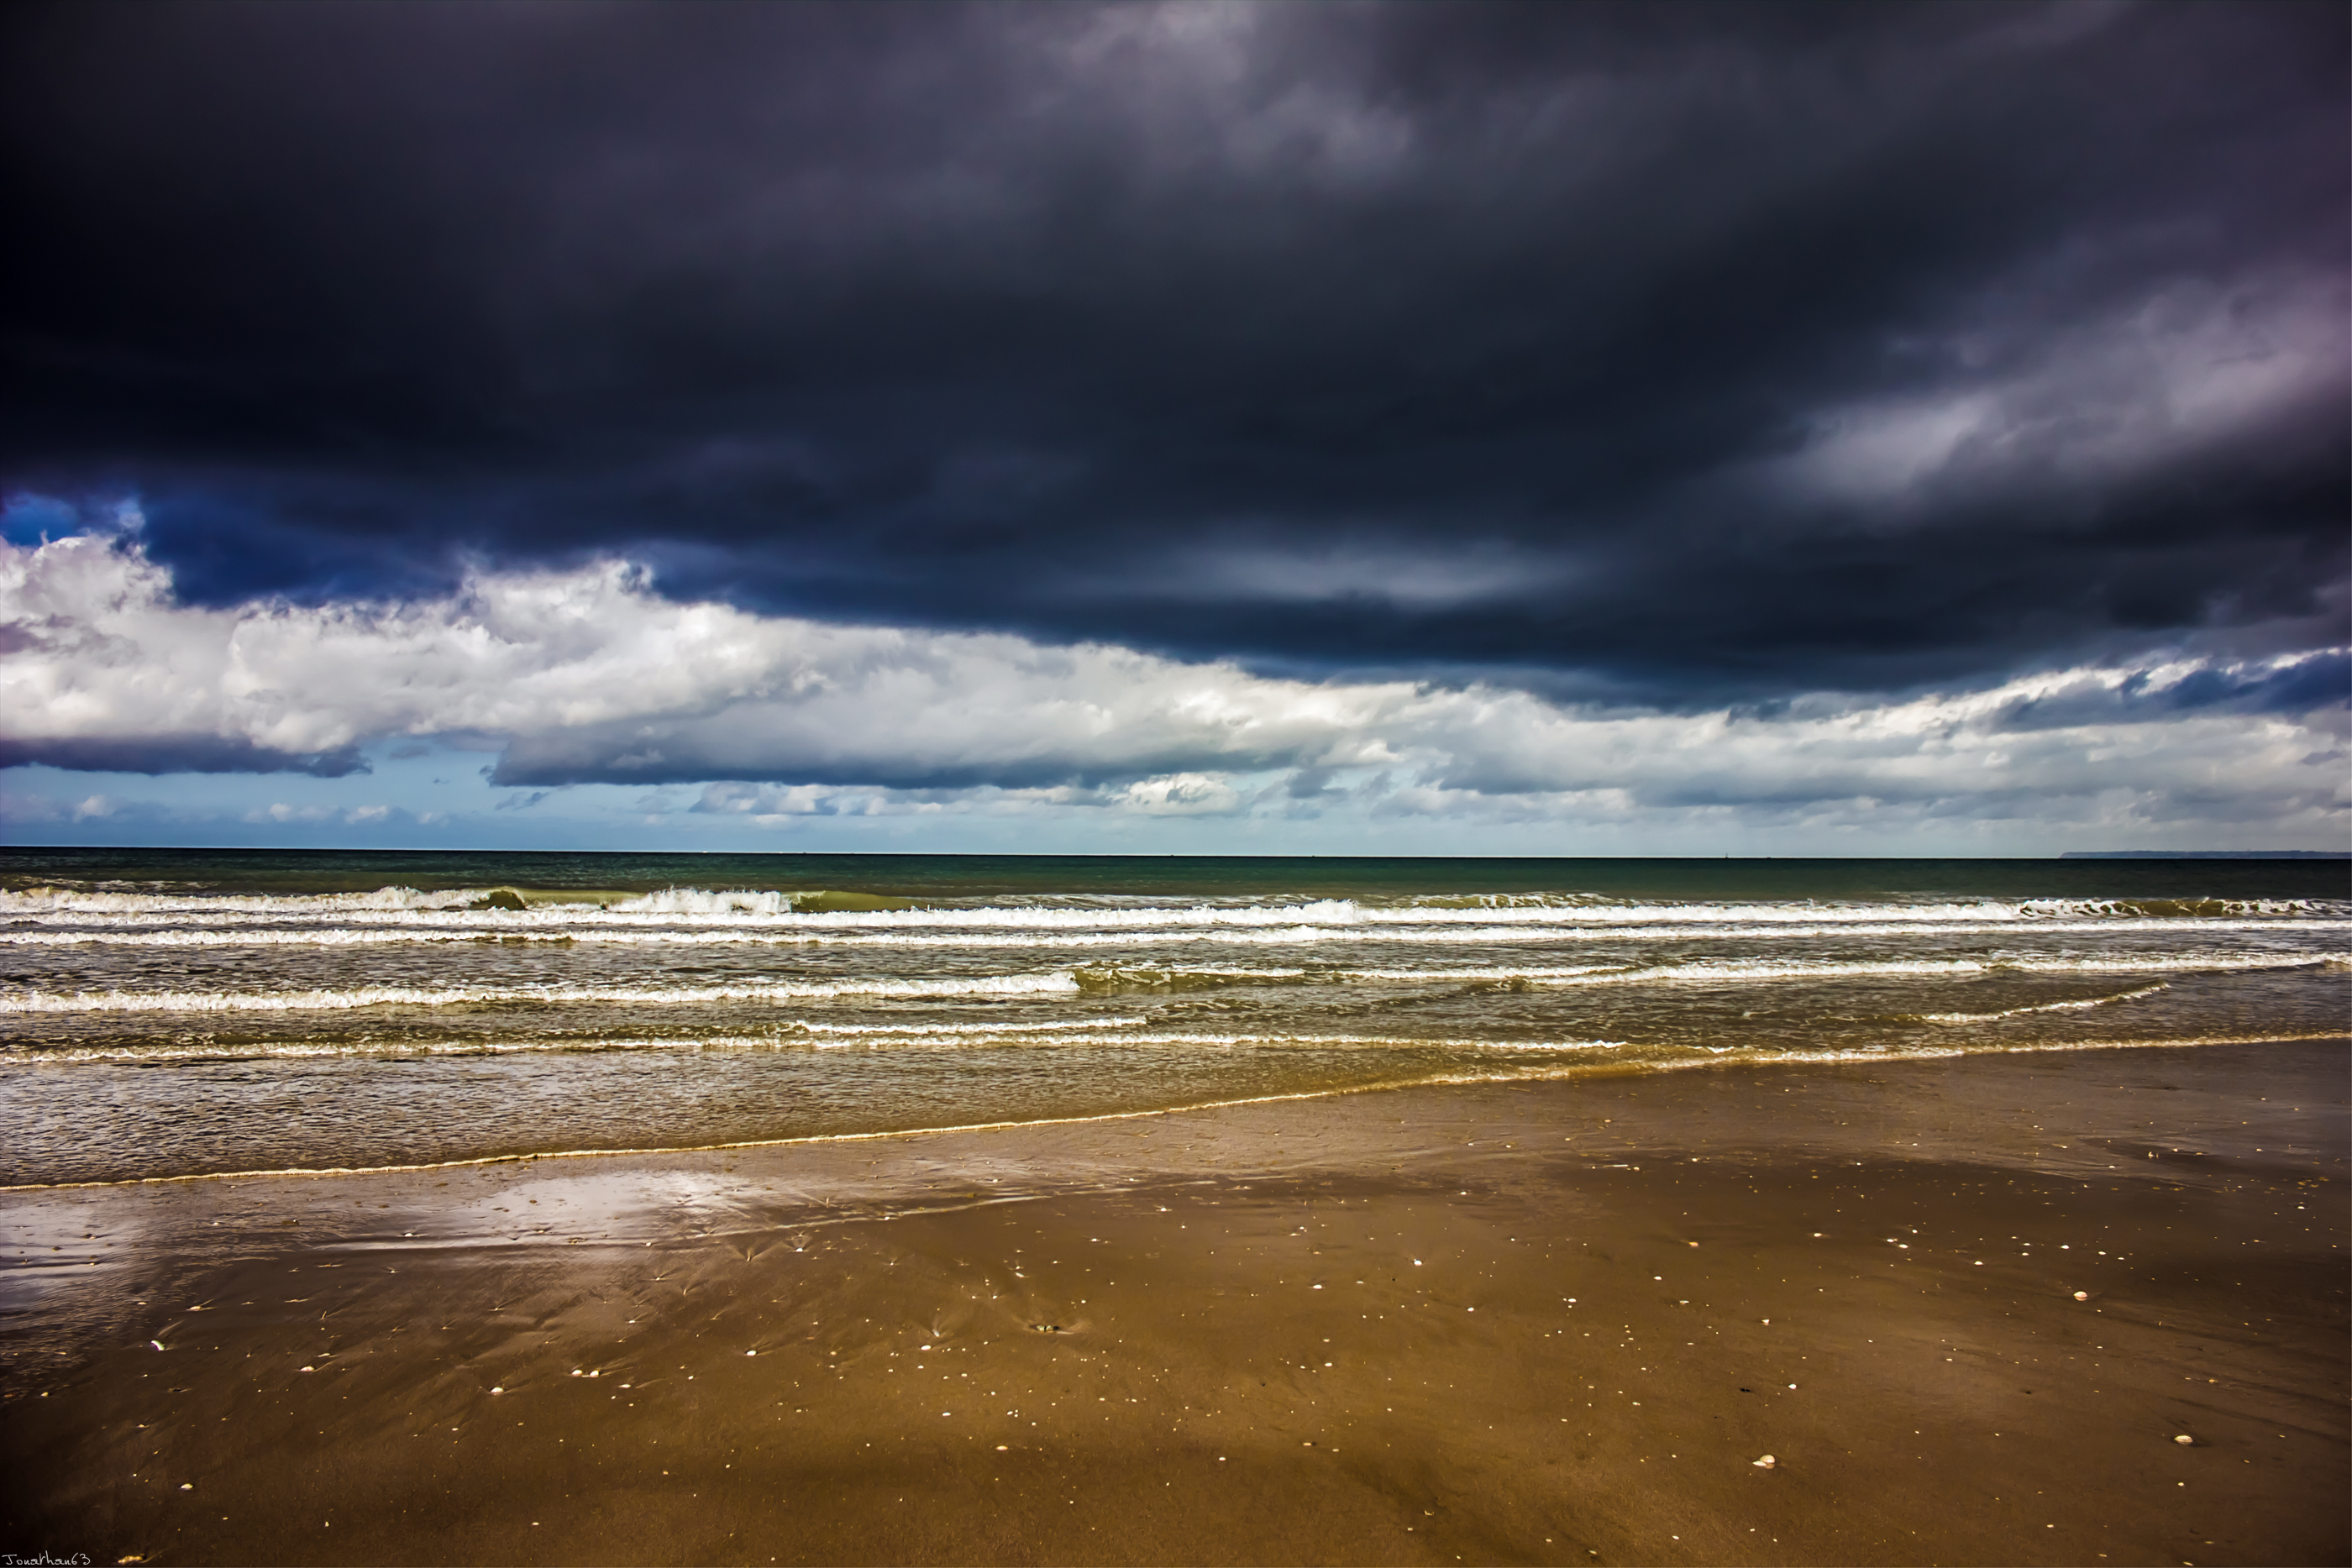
<point>335,1000</point>
<point>1726,971</point>
<point>504,908</point>
<point>686,1016</point>
<point>2083,1005</point>
<point>471,929</point>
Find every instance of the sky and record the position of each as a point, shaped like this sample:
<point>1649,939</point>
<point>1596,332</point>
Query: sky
<point>1383,428</point>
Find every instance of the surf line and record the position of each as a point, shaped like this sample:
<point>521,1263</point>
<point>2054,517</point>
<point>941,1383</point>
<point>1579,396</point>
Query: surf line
<point>1597,1070</point>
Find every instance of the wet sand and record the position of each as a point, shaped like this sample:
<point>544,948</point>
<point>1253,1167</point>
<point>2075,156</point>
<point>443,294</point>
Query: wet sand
<point>1540,1323</point>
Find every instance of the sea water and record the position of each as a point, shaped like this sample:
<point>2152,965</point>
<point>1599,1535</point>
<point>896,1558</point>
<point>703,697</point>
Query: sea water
<point>168,1014</point>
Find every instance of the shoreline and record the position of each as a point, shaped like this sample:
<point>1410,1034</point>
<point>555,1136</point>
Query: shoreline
<point>1422,1241</point>
<point>1580,1073</point>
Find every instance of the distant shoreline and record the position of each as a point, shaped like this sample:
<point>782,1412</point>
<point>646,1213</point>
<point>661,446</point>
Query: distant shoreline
<point>2207,855</point>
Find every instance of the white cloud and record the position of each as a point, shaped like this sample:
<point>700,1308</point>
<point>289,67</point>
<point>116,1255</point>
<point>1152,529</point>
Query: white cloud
<point>1181,795</point>
<point>280,812</point>
<point>765,801</point>
<point>587,676</point>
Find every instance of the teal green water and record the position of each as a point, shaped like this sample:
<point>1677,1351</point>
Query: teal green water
<point>169,1013</point>
<point>1170,876</point>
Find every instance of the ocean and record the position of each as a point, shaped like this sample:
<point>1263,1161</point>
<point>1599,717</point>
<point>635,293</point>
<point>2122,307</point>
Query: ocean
<point>188,1013</point>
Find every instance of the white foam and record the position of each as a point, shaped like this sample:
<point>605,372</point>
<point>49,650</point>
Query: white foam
<point>693,901</point>
<point>2036,1047</point>
<point>69,901</point>
<point>699,908</point>
<point>1204,1039</point>
<point>2082,1005</point>
<point>1724,970</point>
<point>1064,981</point>
<point>1349,911</point>
<point>876,1038</point>
<point>916,1026</point>
<point>555,929</point>
<point>1059,982</point>
<point>1744,969</point>
<point>322,937</point>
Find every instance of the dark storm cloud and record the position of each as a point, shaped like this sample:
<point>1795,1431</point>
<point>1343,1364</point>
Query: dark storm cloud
<point>168,753</point>
<point>1680,354</point>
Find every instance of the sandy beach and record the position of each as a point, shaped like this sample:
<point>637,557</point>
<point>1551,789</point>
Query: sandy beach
<point>1967,1306</point>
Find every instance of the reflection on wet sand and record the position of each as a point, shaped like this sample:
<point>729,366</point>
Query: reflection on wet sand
<point>1967,1307</point>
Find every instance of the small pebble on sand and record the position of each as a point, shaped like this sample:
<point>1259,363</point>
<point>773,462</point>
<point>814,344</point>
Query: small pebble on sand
<point>2184,1438</point>
<point>2081,1296</point>
<point>1767,1463</point>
